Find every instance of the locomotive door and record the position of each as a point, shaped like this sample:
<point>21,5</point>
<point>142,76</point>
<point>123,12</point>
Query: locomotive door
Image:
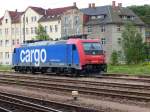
<point>14,59</point>
<point>73,53</point>
<point>70,54</point>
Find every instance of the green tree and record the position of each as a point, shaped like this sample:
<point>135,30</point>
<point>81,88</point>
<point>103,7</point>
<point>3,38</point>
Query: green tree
<point>114,58</point>
<point>41,33</point>
<point>142,11</point>
<point>132,44</point>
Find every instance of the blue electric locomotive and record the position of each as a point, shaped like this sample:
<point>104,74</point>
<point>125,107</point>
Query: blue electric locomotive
<point>59,57</point>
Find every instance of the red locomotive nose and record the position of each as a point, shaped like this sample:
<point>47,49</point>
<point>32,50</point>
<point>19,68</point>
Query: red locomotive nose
<point>94,59</point>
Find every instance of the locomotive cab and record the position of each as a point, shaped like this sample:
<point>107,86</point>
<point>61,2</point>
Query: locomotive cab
<point>92,57</point>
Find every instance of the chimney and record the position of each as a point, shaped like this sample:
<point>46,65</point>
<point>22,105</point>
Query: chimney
<point>89,5</point>
<point>45,12</point>
<point>93,5</point>
<point>74,4</point>
<point>119,5</point>
<point>113,4</point>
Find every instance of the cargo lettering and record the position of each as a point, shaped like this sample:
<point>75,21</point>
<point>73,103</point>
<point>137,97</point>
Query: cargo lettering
<point>34,55</point>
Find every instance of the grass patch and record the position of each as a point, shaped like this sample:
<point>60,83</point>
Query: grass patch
<point>5,68</point>
<point>141,69</point>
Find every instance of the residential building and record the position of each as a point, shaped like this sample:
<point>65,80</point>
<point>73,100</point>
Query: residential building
<point>72,22</point>
<point>10,35</point>
<point>17,27</point>
<point>106,23</point>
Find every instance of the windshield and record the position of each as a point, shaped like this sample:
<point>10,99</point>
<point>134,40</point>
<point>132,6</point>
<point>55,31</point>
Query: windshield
<point>92,48</point>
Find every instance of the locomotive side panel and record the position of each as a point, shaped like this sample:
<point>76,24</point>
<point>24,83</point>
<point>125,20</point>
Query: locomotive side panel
<point>58,56</point>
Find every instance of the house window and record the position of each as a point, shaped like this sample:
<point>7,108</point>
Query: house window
<point>56,28</point>
<point>118,28</point>
<point>51,28</point>
<point>33,18</point>
<point>17,31</point>
<point>13,42</point>
<point>7,55</point>
<point>77,31</point>
<point>6,42</point>
<point>89,29</point>
<point>101,16</point>
<point>1,55</point>
<point>1,42</point>
<point>6,31</point>
<point>66,20</point>
<point>6,20</point>
<point>103,28</point>
<point>76,19</point>
<point>17,41</point>
<point>93,17</point>
<point>13,31</point>
<point>103,41</point>
<point>66,31</point>
<point>132,17</point>
<point>46,29</point>
<point>119,40</point>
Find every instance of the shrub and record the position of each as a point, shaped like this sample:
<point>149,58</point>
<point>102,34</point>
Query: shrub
<point>114,58</point>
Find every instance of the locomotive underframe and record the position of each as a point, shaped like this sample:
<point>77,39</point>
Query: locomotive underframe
<point>86,69</point>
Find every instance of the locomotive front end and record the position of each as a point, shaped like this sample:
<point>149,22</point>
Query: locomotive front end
<point>94,57</point>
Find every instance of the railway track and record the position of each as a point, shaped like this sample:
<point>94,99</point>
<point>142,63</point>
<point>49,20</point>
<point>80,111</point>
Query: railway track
<point>69,80</point>
<point>103,76</point>
<point>17,103</point>
<point>90,90</point>
<point>4,110</point>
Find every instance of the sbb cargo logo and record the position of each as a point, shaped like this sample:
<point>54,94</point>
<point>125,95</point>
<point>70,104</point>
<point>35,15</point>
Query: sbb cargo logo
<point>35,56</point>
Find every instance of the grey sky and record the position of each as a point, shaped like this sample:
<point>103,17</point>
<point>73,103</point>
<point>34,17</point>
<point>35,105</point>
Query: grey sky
<point>21,5</point>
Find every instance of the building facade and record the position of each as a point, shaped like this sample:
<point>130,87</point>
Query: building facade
<point>17,27</point>
<point>72,22</point>
<point>105,23</point>
<point>10,33</point>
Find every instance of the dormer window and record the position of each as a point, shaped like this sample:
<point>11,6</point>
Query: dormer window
<point>6,20</point>
<point>127,17</point>
<point>132,17</point>
<point>93,17</point>
<point>33,19</point>
<point>99,17</point>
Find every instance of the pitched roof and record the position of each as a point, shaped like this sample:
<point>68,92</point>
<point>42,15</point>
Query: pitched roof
<point>39,10</point>
<point>58,11</point>
<point>15,16</point>
<point>54,14</point>
<point>111,15</point>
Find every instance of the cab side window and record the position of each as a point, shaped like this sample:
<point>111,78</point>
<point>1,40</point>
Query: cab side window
<point>14,50</point>
<point>74,47</point>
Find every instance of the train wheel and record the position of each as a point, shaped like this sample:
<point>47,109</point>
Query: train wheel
<point>32,70</point>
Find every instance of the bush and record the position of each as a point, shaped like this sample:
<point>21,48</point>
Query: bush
<point>114,58</point>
